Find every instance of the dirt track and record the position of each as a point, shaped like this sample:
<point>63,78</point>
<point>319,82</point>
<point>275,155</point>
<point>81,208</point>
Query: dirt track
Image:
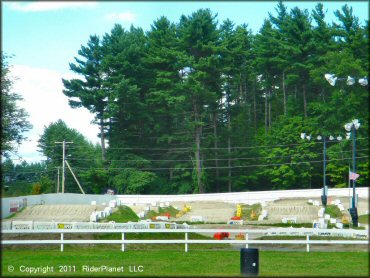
<point>57,213</point>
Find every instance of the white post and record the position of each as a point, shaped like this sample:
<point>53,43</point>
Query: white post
<point>123,245</point>
<point>246,240</point>
<point>308,244</point>
<point>186,243</point>
<point>61,245</point>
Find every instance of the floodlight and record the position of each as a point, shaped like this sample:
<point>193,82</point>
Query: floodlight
<point>303,135</point>
<point>348,126</point>
<point>356,123</point>
<point>331,78</point>
<point>363,81</point>
<point>331,138</point>
<point>350,80</point>
<point>319,137</point>
<point>339,138</point>
<point>308,137</point>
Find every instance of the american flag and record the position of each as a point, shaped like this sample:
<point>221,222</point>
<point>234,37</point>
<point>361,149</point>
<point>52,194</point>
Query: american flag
<point>353,176</point>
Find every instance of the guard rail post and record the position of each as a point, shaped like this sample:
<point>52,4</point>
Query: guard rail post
<point>308,243</point>
<point>61,239</point>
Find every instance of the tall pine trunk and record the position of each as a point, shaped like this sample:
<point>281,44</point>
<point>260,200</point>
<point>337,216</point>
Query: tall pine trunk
<point>304,101</point>
<point>198,132</point>
<point>102,138</point>
<point>269,112</point>
<point>284,94</point>
<point>266,116</point>
<point>216,151</point>
<point>229,151</point>
<point>254,105</point>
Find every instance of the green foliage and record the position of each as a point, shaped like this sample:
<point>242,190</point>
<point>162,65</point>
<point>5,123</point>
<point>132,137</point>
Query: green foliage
<point>248,210</point>
<point>363,219</point>
<point>199,106</point>
<point>333,211</point>
<point>132,181</point>
<point>122,215</point>
<point>13,118</point>
<point>171,210</point>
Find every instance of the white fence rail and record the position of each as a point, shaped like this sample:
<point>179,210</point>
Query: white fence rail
<point>186,241</point>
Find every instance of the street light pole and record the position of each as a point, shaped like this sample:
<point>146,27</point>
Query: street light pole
<point>353,126</point>
<point>324,196</point>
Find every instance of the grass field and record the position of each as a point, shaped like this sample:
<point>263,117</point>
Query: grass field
<point>163,263</point>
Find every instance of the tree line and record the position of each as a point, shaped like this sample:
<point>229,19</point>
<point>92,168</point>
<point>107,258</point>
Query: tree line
<point>202,106</point>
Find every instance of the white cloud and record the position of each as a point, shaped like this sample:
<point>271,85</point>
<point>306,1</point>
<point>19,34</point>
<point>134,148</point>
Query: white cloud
<point>43,6</point>
<point>125,16</point>
<point>45,103</point>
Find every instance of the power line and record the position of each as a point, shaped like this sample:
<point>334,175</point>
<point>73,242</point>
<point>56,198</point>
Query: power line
<point>209,159</point>
<point>219,148</point>
<point>225,167</point>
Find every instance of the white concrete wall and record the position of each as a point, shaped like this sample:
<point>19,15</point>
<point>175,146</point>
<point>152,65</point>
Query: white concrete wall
<point>54,199</point>
<point>235,197</point>
<point>242,197</point>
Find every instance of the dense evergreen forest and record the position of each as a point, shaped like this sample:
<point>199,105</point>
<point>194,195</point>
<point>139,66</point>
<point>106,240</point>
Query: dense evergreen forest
<point>201,106</point>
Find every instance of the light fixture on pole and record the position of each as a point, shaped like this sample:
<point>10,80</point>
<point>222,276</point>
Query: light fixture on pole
<point>352,127</point>
<point>332,79</point>
<point>324,196</point>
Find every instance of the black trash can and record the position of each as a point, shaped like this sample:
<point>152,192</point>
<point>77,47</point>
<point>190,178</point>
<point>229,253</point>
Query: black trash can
<point>249,262</point>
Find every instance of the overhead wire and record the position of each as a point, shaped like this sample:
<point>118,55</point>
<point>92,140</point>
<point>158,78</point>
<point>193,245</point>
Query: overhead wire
<point>223,167</point>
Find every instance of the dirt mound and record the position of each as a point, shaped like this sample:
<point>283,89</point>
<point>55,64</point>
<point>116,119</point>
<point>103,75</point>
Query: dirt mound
<point>78,213</point>
<point>212,212</point>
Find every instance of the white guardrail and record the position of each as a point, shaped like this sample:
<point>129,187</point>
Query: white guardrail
<point>359,234</point>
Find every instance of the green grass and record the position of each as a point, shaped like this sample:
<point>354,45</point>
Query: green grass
<point>364,219</point>
<point>333,211</point>
<point>122,215</point>
<point>247,210</point>
<point>14,214</point>
<point>162,236</point>
<point>171,210</point>
<point>194,263</point>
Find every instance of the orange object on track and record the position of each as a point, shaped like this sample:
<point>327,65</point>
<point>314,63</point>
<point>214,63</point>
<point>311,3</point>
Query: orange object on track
<point>220,236</point>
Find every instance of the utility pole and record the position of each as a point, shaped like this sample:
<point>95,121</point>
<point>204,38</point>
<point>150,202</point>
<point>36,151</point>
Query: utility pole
<point>63,164</point>
<point>58,180</point>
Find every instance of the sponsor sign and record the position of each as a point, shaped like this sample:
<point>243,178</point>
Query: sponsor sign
<point>6,225</point>
<point>170,225</point>
<point>22,225</point>
<point>121,226</point>
<point>64,226</point>
<point>357,235</point>
<point>103,225</point>
<point>83,225</point>
<point>43,225</point>
<point>235,222</point>
<point>324,233</point>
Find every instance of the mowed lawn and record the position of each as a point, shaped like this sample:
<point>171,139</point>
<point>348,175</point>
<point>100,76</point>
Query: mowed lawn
<point>178,263</point>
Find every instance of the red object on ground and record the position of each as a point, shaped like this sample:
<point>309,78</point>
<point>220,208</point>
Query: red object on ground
<point>167,214</point>
<point>235,218</point>
<point>221,235</point>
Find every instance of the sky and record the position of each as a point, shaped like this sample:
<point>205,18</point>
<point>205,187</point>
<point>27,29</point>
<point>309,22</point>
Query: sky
<point>44,37</point>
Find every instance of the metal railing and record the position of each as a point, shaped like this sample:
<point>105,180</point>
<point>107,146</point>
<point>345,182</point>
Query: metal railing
<point>186,241</point>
